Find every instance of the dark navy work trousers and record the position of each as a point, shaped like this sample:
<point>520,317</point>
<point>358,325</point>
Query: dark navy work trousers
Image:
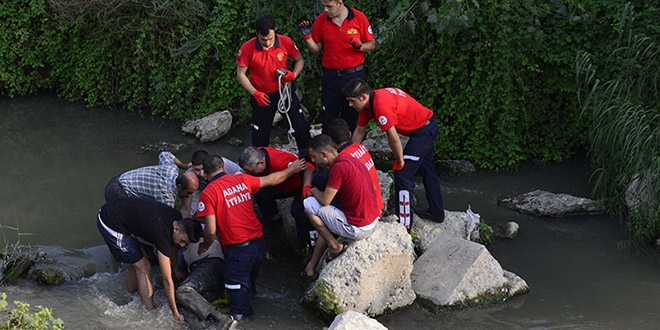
<point>333,100</point>
<point>262,121</point>
<point>418,156</point>
<point>242,263</point>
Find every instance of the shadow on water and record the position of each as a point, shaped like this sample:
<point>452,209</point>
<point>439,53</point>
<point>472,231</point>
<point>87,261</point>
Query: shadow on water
<point>58,157</point>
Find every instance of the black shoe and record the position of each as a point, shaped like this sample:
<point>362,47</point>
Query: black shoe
<point>427,215</point>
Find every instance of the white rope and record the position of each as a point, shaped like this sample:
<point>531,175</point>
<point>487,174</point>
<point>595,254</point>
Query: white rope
<point>284,104</point>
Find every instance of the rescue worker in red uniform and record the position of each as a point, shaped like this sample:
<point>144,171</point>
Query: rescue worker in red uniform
<point>398,113</point>
<point>263,56</point>
<point>359,214</point>
<point>341,136</point>
<point>344,34</point>
<point>228,211</point>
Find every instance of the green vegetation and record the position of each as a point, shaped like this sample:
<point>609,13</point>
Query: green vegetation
<point>21,317</point>
<point>498,74</point>
<point>324,301</point>
<point>485,233</point>
<point>623,102</point>
<point>13,257</point>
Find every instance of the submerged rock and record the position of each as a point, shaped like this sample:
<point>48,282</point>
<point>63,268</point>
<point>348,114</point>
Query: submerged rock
<point>505,230</point>
<point>49,270</point>
<point>47,276</point>
<point>162,146</point>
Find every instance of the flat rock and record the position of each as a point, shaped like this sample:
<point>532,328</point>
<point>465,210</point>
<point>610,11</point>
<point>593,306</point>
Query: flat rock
<point>546,204</point>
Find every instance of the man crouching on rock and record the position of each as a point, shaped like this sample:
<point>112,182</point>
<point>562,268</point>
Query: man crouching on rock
<point>357,219</point>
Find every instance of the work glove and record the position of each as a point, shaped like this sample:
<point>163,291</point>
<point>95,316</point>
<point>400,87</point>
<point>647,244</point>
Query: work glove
<point>396,167</point>
<point>306,191</point>
<point>305,28</point>
<point>289,76</point>
<point>262,99</point>
<point>356,43</point>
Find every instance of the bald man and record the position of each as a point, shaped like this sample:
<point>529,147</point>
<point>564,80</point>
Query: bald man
<point>160,182</point>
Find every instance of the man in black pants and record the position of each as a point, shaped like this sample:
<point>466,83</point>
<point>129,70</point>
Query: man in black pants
<point>343,34</point>
<point>396,113</point>
<point>263,56</point>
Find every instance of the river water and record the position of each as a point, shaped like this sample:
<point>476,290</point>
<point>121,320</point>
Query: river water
<point>58,156</point>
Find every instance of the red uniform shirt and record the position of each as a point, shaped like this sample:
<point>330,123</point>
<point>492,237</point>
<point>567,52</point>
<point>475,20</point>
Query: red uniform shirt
<point>229,198</point>
<point>279,160</point>
<point>360,152</point>
<point>393,107</point>
<point>351,179</point>
<point>263,63</point>
<point>338,52</point>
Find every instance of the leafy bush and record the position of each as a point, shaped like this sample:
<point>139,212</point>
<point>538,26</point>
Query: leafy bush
<point>622,101</point>
<point>21,317</point>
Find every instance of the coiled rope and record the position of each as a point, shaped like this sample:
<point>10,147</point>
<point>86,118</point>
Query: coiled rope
<point>284,104</point>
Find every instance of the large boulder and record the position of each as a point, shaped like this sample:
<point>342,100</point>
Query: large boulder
<point>351,320</point>
<point>455,273</point>
<point>372,276</point>
<point>546,204</point>
<point>211,127</point>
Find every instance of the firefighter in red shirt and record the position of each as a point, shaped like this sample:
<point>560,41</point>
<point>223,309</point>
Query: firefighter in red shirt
<point>349,180</point>
<point>341,136</point>
<point>228,212</point>
<point>263,56</point>
<point>344,34</point>
<point>398,113</point>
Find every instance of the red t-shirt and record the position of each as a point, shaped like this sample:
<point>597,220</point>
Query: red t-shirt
<point>229,198</point>
<point>393,107</point>
<point>351,179</point>
<point>360,152</point>
<point>337,50</point>
<point>279,160</point>
<point>263,63</point>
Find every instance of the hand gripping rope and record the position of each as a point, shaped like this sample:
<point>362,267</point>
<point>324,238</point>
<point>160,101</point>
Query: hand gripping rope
<point>284,104</point>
